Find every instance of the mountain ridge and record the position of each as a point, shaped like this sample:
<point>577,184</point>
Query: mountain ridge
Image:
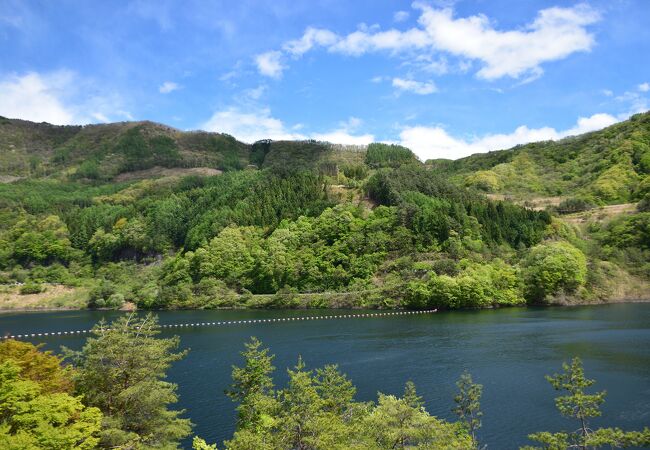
<point>607,166</point>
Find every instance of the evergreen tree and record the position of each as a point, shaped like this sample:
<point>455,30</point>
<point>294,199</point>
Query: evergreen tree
<point>579,405</point>
<point>252,386</point>
<point>122,370</point>
<point>468,405</point>
<point>411,397</point>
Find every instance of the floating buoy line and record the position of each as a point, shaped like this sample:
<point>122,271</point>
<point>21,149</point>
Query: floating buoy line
<point>234,322</point>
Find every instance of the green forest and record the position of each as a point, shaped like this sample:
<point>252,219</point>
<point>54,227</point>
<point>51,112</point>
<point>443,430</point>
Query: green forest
<point>140,215</point>
<point>113,394</point>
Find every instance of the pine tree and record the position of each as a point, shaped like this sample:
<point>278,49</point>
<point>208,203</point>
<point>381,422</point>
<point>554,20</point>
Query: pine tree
<point>122,370</point>
<point>579,405</point>
<point>468,403</point>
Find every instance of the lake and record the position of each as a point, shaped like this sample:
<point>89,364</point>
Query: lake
<point>507,350</point>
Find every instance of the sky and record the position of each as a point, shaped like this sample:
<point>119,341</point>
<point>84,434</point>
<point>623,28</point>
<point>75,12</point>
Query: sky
<point>444,78</point>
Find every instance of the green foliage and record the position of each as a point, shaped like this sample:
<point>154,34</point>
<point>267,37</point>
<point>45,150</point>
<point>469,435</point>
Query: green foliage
<point>577,404</point>
<point>128,239</point>
<point>432,204</point>
<point>121,371</point>
<point>41,367</point>
<point>608,166</point>
<point>393,423</point>
<point>31,240</point>
<point>553,268</point>
<point>253,386</point>
<point>476,286</point>
<point>468,406</point>
<point>317,410</point>
<point>30,288</point>
<point>284,158</point>
<point>388,155</point>
<point>36,408</point>
<point>330,251</point>
<point>574,205</point>
<point>105,295</point>
<point>144,152</point>
<point>88,169</point>
<point>200,444</point>
<point>355,171</point>
<point>277,232</point>
<point>628,231</point>
<point>484,180</point>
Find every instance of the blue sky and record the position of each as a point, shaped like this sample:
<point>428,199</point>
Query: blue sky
<point>446,78</point>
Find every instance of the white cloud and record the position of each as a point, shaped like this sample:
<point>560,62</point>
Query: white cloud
<point>593,123</point>
<point>100,117</point>
<point>270,64</point>
<point>344,137</point>
<point>644,87</point>
<point>249,126</point>
<point>255,93</point>
<point>37,98</point>
<point>416,87</point>
<point>634,101</point>
<point>344,134</point>
<point>554,34</point>
<point>401,16</point>
<point>167,87</point>
<point>365,41</point>
<point>438,65</point>
<point>435,142</point>
<point>310,38</point>
<point>55,98</point>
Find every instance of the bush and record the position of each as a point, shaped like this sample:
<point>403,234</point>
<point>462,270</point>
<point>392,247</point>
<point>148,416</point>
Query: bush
<point>31,288</point>
<point>574,205</point>
<point>100,295</point>
<point>553,268</point>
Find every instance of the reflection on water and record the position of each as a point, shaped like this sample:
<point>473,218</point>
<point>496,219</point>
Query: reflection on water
<point>509,351</point>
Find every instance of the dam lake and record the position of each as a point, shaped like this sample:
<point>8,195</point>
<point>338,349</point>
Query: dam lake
<point>507,350</point>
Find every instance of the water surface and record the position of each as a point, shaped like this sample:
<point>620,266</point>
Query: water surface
<point>508,350</point>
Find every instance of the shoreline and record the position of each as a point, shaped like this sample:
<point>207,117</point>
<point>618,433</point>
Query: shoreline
<point>348,308</point>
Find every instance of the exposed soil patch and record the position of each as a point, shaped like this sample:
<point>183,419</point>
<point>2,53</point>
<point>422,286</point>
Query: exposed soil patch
<point>5,179</point>
<point>536,203</point>
<point>599,214</point>
<point>160,172</point>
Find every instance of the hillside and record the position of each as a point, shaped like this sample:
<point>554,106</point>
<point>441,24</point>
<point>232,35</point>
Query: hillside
<point>140,214</point>
<point>609,166</point>
<point>104,152</point>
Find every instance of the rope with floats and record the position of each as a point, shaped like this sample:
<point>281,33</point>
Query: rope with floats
<point>232,322</point>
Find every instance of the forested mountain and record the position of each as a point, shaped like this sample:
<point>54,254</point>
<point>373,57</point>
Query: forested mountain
<point>104,152</point>
<point>603,167</point>
<point>142,214</point>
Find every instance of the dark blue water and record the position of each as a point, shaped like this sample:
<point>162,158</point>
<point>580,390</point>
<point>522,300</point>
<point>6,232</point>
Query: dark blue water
<point>509,351</point>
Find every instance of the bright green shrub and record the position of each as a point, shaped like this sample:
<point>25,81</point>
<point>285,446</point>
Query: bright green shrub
<point>552,268</point>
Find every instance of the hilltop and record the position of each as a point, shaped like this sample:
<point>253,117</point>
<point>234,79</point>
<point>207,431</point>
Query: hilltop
<point>106,152</point>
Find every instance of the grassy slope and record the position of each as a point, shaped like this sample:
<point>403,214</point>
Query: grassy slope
<point>610,166</point>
